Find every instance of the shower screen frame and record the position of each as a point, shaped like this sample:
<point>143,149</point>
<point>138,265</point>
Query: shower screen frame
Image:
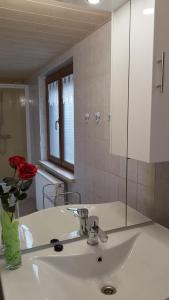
<point>27,112</point>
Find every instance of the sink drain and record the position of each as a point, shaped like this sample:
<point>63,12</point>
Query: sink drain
<point>108,290</point>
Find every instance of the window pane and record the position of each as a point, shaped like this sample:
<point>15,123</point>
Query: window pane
<point>53,102</point>
<point>68,113</point>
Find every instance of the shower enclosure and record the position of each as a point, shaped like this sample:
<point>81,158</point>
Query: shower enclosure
<point>13,138</point>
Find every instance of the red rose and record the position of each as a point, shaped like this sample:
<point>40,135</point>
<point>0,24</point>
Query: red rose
<point>27,171</point>
<point>16,161</point>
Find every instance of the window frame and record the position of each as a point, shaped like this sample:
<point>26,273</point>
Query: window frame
<point>58,76</point>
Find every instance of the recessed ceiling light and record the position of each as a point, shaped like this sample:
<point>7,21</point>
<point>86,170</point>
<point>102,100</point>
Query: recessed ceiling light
<point>148,11</point>
<point>94,2</point>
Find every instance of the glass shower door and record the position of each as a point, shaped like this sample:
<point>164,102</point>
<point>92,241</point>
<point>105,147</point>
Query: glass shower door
<point>12,127</point>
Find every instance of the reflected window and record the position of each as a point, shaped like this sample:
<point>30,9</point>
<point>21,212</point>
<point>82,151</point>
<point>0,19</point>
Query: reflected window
<point>60,117</point>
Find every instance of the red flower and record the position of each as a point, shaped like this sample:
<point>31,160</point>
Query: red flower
<point>27,171</point>
<point>16,161</point>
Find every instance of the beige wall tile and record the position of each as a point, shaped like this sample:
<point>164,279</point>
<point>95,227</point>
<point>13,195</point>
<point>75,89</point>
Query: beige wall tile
<point>145,200</point>
<point>132,194</point>
<point>132,170</point>
<point>123,167</point>
<point>162,172</point>
<point>162,203</point>
<point>146,174</point>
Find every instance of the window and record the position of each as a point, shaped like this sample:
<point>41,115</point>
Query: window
<point>60,117</point>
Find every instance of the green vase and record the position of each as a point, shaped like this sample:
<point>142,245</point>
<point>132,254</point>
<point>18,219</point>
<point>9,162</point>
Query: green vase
<point>11,242</point>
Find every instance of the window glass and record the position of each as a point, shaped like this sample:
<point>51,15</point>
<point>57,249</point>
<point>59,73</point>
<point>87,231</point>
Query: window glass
<point>54,130</point>
<point>68,117</point>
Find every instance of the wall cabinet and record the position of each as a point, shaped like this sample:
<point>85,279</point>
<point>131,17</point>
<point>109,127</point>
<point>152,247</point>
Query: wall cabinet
<point>148,83</point>
<point>148,127</point>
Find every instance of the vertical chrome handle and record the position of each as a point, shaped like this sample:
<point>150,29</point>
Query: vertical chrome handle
<point>162,62</point>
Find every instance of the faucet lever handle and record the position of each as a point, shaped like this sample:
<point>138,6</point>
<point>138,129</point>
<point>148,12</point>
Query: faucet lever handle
<point>93,228</point>
<point>93,223</point>
<point>72,209</point>
<point>95,232</point>
<point>102,235</point>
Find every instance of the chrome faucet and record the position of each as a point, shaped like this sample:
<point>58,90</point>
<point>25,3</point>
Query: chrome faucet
<point>82,214</point>
<point>89,226</point>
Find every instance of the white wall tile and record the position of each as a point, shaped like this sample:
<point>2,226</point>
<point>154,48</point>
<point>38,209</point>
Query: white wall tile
<point>122,190</point>
<point>111,188</point>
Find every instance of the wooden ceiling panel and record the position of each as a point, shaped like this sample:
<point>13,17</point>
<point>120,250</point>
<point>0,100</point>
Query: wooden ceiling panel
<point>46,20</point>
<point>55,9</point>
<point>14,25</point>
<point>35,31</point>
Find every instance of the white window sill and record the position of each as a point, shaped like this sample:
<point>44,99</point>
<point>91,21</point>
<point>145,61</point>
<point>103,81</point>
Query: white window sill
<point>58,172</point>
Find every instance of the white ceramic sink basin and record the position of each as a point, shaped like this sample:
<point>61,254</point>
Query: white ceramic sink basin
<point>90,265</point>
<point>135,262</point>
<point>132,266</point>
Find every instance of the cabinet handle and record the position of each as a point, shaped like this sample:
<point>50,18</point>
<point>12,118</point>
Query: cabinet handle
<point>162,62</point>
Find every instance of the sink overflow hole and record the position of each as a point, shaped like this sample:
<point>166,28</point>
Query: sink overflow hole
<point>108,290</point>
<point>99,259</point>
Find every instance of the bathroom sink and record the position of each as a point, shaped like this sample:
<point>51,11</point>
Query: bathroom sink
<point>132,265</point>
<point>129,267</point>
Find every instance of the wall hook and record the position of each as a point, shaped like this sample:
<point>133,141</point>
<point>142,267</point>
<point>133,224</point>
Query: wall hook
<point>97,117</point>
<point>87,117</point>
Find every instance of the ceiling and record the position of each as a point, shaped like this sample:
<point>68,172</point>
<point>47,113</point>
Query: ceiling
<point>108,5</point>
<point>33,32</point>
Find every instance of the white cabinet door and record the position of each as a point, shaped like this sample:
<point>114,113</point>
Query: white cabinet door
<point>139,98</point>
<point>148,129</point>
<point>119,79</point>
<point>140,81</point>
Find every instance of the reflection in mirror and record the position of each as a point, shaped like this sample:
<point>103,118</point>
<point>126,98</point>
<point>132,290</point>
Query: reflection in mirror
<point>120,105</point>
<point>64,75</point>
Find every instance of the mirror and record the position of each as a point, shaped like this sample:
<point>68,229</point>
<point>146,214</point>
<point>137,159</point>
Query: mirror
<point>63,94</point>
<point>145,189</point>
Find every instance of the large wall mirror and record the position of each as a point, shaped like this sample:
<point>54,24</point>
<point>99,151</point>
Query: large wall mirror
<point>65,89</point>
